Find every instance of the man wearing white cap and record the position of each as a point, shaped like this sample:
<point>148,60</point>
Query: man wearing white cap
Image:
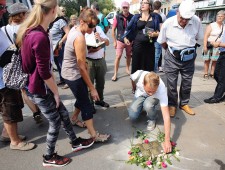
<point>179,35</point>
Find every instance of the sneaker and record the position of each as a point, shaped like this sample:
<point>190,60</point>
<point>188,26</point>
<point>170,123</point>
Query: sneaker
<point>37,117</point>
<point>102,103</point>
<point>81,143</point>
<point>56,160</point>
<point>151,125</point>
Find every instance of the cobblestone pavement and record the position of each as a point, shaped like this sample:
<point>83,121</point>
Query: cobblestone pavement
<point>201,138</point>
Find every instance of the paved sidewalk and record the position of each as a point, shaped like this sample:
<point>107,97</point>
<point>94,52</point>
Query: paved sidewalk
<point>201,138</point>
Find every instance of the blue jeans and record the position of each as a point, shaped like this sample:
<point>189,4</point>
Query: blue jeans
<point>146,103</point>
<point>158,52</point>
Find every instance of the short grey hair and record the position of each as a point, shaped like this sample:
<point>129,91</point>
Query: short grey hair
<point>221,12</point>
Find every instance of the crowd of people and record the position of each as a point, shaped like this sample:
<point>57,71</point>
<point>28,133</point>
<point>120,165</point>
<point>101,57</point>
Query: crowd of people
<point>76,45</point>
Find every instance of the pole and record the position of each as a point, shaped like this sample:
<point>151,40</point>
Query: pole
<point>88,3</point>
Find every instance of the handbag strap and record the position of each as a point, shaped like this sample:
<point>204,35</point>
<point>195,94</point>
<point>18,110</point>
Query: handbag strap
<point>219,34</point>
<point>8,36</point>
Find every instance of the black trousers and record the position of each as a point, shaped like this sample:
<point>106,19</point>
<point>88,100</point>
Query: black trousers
<point>173,67</point>
<point>219,75</point>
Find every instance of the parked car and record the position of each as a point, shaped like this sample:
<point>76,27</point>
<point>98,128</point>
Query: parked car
<point>173,11</point>
<point>110,17</point>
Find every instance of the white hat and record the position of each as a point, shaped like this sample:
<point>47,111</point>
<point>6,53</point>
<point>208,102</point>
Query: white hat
<point>17,8</point>
<point>187,9</point>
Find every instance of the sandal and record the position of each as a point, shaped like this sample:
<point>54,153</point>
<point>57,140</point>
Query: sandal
<point>206,76</point>
<point>212,76</point>
<point>101,138</point>
<point>78,123</point>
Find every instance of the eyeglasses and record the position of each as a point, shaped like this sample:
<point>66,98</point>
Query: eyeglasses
<point>186,19</point>
<point>144,3</point>
<point>2,7</point>
<point>125,7</point>
<point>91,25</point>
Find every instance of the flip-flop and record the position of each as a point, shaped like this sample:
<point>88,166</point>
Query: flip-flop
<point>78,123</point>
<point>114,79</point>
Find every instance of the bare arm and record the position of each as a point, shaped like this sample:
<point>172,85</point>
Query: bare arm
<point>66,29</point>
<point>80,51</point>
<point>206,36</point>
<point>166,118</point>
<point>164,45</point>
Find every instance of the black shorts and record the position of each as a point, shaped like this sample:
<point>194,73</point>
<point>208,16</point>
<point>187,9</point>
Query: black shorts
<point>11,104</point>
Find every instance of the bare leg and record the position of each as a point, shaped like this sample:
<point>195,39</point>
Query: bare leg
<point>29,103</point>
<point>213,66</point>
<point>90,127</point>
<point>128,60</point>
<point>11,129</point>
<point>75,114</point>
<point>206,66</point>
<point>4,132</point>
<point>116,67</point>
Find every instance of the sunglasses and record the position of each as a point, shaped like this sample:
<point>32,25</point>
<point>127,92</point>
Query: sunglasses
<point>144,3</point>
<point>186,19</point>
<point>91,25</point>
<point>125,7</point>
<point>2,7</point>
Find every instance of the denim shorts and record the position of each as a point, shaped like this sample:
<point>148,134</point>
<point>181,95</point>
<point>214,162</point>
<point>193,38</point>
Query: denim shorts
<point>11,104</point>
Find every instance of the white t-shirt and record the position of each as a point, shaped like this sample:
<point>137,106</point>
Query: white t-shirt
<point>160,94</point>
<point>100,53</point>
<point>12,31</point>
<point>3,46</point>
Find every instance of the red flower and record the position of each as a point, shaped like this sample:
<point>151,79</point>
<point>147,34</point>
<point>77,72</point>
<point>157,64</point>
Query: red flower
<point>164,165</point>
<point>173,143</point>
<point>146,141</point>
<point>148,163</point>
<point>129,152</point>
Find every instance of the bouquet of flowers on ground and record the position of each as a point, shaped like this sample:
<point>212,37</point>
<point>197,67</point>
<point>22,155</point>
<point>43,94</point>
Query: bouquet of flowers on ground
<point>149,154</point>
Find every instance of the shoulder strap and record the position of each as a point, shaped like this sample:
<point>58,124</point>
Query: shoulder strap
<point>219,34</point>
<point>138,77</point>
<point>8,36</point>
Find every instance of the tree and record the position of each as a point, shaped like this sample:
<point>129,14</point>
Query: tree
<point>73,6</point>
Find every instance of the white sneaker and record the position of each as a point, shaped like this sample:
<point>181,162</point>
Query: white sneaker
<point>151,125</point>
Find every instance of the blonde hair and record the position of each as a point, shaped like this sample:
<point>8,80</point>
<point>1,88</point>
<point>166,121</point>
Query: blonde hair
<point>35,18</point>
<point>73,16</point>
<point>151,79</point>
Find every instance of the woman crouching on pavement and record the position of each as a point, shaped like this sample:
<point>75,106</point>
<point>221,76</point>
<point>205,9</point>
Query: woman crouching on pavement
<point>74,71</point>
<point>36,61</point>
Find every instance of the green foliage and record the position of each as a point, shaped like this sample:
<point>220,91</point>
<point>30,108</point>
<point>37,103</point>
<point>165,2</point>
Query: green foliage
<point>138,156</point>
<point>73,6</point>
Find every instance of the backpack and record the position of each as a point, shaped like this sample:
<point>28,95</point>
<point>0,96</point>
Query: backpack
<point>13,75</point>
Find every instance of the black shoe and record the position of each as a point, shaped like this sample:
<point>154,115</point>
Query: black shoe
<point>56,160</point>
<point>102,103</point>
<point>81,143</point>
<point>37,117</point>
<point>212,100</point>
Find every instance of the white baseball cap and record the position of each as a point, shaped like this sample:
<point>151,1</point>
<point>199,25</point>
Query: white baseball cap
<point>187,9</point>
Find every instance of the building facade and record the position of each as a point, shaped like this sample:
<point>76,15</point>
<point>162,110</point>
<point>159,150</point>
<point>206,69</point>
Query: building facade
<point>207,9</point>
